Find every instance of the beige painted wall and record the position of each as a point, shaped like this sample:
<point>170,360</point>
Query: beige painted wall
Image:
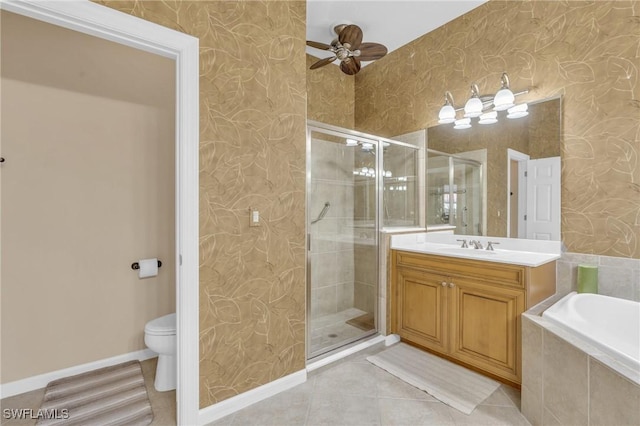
<point>252,154</point>
<point>586,51</point>
<point>87,189</point>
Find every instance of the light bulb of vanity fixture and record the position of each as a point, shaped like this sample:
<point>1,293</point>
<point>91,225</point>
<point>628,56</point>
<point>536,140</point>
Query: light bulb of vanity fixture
<point>490,117</point>
<point>505,98</point>
<point>366,146</point>
<point>447,112</point>
<point>463,123</point>
<point>518,111</point>
<point>473,107</point>
<point>351,142</point>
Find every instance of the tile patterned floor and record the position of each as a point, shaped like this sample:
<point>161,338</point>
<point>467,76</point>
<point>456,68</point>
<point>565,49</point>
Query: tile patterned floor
<point>355,392</point>
<point>349,392</point>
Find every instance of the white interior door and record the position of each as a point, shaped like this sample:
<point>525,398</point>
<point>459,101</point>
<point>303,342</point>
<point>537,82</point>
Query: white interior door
<point>543,199</point>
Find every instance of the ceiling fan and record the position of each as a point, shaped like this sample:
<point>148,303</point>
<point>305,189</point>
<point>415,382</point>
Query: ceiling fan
<point>349,48</point>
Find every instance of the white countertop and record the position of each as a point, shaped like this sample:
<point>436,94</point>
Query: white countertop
<point>537,252</point>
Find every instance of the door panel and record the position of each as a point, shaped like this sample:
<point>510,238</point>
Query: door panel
<point>543,199</point>
<point>342,256</point>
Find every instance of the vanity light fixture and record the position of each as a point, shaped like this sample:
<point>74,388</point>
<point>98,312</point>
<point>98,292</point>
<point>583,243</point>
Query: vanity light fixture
<point>463,123</point>
<point>490,117</point>
<point>447,112</point>
<point>505,98</point>
<point>474,106</point>
<point>478,106</point>
<point>518,111</point>
<point>366,146</point>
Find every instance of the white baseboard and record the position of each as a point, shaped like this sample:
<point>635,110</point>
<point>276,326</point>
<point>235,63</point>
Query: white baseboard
<point>238,402</point>
<point>41,380</point>
<point>345,353</point>
<point>391,339</point>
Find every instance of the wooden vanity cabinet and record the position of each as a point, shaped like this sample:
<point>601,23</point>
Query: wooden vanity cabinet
<point>422,308</point>
<point>466,310</point>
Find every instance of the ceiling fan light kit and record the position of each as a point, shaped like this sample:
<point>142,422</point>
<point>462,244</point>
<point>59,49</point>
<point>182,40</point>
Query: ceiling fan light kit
<point>349,49</point>
<point>478,105</point>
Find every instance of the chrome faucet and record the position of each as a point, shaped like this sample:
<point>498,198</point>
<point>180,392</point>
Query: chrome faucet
<point>476,244</point>
<point>490,245</point>
<point>464,243</point>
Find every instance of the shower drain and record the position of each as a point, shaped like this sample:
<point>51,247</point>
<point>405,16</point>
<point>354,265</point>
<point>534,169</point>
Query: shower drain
<point>332,335</point>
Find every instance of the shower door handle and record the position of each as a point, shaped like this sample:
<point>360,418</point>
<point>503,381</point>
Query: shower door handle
<point>308,242</point>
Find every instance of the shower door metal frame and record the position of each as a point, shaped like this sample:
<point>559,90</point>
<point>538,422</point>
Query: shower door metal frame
<point>379,188</point>
<point>313,126</point>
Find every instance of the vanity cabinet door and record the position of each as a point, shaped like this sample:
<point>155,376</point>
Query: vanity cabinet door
<point>484,326</point>
<point>422,308</point>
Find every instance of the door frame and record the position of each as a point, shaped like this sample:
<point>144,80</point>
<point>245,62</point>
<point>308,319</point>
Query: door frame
<point>106,23</point>
<point>521,159</point>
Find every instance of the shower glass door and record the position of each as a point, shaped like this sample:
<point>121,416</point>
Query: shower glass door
<point>467,194</point>
<point>342,224</point>
<point>455,193</point>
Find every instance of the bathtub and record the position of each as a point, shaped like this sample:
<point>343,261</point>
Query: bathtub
<point>611,325</point>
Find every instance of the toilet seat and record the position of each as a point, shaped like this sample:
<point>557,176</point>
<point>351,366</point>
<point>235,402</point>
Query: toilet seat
<point>163,326</point>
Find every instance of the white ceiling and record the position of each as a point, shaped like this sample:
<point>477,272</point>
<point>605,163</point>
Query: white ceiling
<point>392,23</point>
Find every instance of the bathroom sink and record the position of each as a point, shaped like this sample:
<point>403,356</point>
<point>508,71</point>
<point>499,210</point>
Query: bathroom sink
<point>468,251</point>
<point>511,256</point>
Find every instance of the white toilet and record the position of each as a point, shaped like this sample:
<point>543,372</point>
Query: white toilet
<point>160,337</point>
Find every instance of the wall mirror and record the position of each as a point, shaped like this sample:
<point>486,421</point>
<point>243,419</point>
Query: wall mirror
<point>500,179</point>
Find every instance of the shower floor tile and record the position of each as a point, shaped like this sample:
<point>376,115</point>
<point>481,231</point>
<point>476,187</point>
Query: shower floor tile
<point>332,329</point>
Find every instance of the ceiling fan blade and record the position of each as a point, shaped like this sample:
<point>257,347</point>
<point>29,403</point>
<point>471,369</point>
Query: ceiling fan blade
<point>350,66</point>
<point>319,45</point>
<point>323,62</point>
<point>352,35</point>
<point>338,28</point>
<point>371,51</point>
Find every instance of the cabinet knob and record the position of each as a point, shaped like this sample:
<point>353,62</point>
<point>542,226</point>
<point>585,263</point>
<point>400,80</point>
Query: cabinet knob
<point>444,284</point>
<point>451,285</point>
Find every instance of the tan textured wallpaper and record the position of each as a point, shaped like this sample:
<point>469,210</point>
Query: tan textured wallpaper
<point>252,155</point>
<point>586,51</point>
<point>330,95</point>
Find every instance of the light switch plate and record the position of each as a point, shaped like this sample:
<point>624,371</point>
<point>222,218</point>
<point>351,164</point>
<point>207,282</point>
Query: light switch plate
<point>254,217</point>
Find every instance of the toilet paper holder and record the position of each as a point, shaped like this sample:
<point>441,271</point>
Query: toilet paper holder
<point>136,265</point>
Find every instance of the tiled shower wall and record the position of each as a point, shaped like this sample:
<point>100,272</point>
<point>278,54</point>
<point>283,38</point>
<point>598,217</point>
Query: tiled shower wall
<point>332,254</point>
<point>366,279</point>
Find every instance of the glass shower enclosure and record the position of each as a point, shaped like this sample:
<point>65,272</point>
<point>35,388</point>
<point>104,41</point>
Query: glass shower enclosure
<point>454,193</point>
<point>346,179</point>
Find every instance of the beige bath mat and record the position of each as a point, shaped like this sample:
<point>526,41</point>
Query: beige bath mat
<point>111,396</point>
<point>450,383</point>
